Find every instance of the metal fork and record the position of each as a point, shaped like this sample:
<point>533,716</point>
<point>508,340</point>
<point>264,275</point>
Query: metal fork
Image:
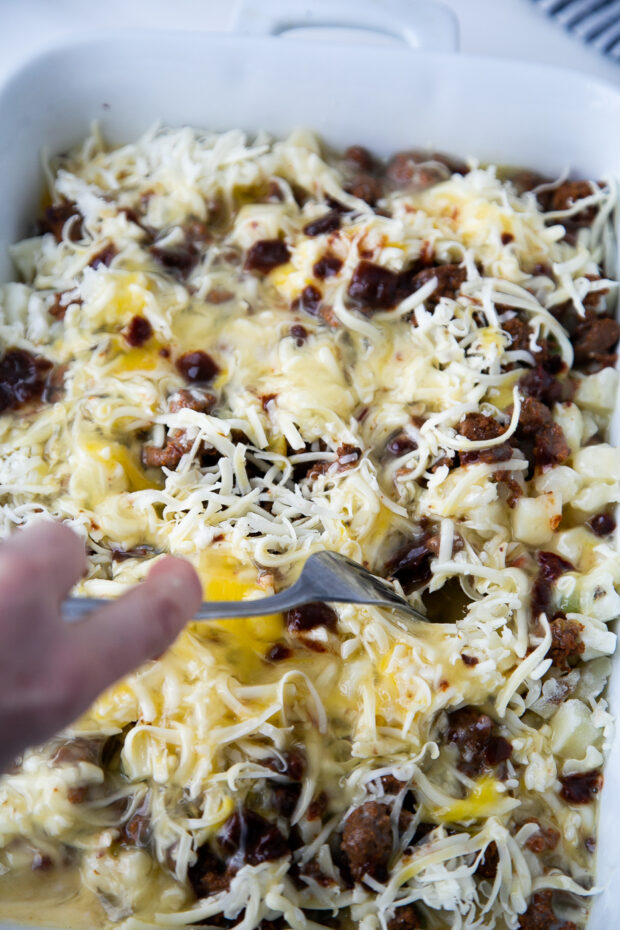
<point>597,22</point>
<point>326,576</point>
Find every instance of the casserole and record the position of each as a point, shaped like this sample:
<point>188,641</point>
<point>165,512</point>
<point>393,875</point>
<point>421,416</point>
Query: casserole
<point>434,105</point>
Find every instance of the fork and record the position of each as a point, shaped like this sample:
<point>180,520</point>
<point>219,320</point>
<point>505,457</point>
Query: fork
<point>326,576</point>
<point>597,22</point>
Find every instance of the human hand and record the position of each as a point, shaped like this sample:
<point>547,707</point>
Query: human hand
<point>51,671</point>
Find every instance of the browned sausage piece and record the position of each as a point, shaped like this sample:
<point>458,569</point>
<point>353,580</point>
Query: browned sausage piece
<point>566,643</point>
<point>299,334</point>
<point>137,830</point>
<point>400,444</point>
<point>419,169</point>
<point>267,254</point>
<point>22,378</point>
<point>57,215</point>
<point>327,223</point>
<point>367,841</point>
<point>546,838</point>
<point>470,730</point>
<point>404,172</point>
<point>540,915</point>
<point>571,192</point>
<point>139,331</point>
<point>255,837</point>
<point>285,798</point>
<point>479,428</point>
<point>364,174</point>
<point>177,445</point>
<point>136,552</point>
<point>519,332</point>
<point>181,259</point>
<point>194,399</point>
<point>392,785</point>
<point>551,566</point>
<point>327,266</point>
<point>309,616</point>
<point>478,746</point>
<point>79,749</point>
<point>197,366</point>
<point>59,308</point>
<point>537,425</point>
<point>411,565</point>
<point>104,257</point>
<point>348,456</point>
<point>209,874</point>
<point>293,765</point>
<point>219,295</point>
<point>487,868</point>
<point>449,281</point>
<point>603,524</point>
<point>525,180</point>
<point>318,807</point>
<point>309,300</point>
<point>581,788</point>
<point>544,386</point>
<point>178,442</point>
<point>405,918</point>
<point>595,340</point>
<point>365,187</point>
<point>361,158</point>
<point>278,653</point>
<point>373,287</point>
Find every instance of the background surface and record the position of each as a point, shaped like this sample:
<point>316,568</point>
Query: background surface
<point>503,28</point>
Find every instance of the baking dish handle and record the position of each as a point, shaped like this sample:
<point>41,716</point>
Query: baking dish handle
<point>422,24</point>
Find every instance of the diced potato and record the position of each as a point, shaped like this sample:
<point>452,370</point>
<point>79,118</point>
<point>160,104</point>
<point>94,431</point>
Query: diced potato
<point>577,546</point>
<point>598,391</point>
<point>572,730</point>
<point>598,597</point>
<point>129,880</point>
<point>122,880</point>
<point>569,417</point>
<point>594,498</point>
<point>601,461</point>
<point>562,479</point>
<point>598,640</point>
<point>535,519</point>
<point>590,427</point>
<point>540,772</point>
<point>254,222</point>
<point>593,759</point>
<point>594,675</point>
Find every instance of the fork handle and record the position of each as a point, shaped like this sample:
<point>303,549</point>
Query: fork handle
<point>75,608</point>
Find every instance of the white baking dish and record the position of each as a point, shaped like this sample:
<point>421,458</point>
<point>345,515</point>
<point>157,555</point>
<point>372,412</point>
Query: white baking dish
<point>385,97</point>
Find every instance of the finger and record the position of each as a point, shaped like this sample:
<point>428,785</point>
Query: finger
<point>42,561</point>
<point>138,626</point>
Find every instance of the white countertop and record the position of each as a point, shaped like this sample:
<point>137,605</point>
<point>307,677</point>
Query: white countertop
<point>503,28</point>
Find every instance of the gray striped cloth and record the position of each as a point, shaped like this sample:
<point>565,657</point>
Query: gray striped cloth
<point>597,22</point>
